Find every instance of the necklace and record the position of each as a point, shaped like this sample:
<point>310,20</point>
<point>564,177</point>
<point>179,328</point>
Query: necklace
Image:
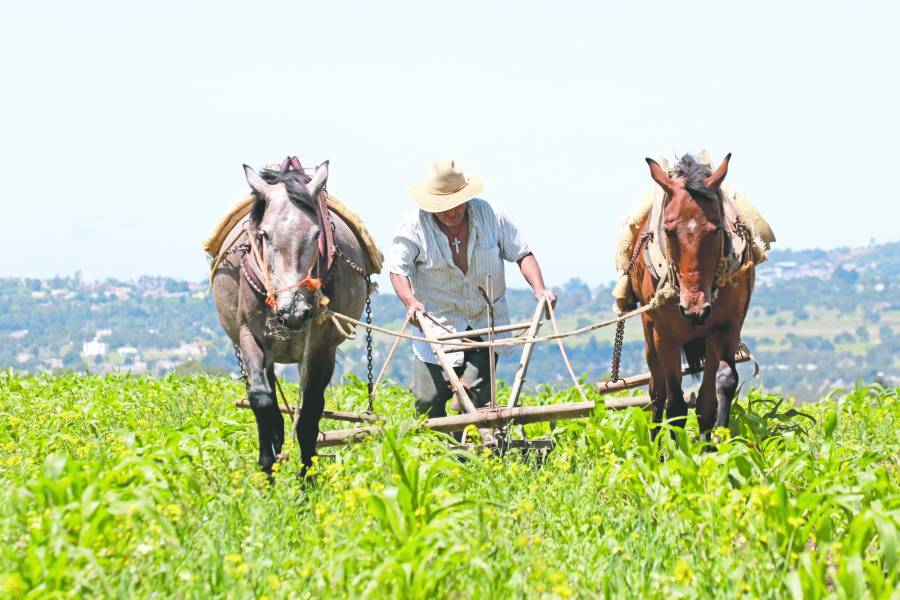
<point>448,231</point>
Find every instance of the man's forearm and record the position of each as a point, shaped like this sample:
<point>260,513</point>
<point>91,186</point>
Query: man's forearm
<point>404,291</point>
<point>531,271</point>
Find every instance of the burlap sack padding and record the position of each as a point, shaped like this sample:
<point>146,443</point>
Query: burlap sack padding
<point>638,216</point>
<point>763,237</point>
<point>239,211</point>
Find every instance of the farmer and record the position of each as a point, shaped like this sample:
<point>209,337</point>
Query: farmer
<point>441,254</point>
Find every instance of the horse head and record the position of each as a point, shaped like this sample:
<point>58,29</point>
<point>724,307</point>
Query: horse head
<point>286,234</point>
<point>694,231</point>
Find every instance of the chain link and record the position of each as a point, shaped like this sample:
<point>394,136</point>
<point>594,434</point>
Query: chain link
<point>240,361</point>
<point>620,326</point>
<point>350,262</point>
<point>617,351</point>
<point>743,231</point>
<point>369,377</point>
<point>648,235</point>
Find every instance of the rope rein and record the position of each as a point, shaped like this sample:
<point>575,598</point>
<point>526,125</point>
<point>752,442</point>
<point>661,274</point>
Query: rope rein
<point>663,295</point>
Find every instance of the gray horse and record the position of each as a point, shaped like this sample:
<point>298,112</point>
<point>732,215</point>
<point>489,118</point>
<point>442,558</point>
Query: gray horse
<point>269,325</point>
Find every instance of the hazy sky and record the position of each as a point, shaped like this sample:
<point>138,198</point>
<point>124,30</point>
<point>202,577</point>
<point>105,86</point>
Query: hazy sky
<point>123,125</point>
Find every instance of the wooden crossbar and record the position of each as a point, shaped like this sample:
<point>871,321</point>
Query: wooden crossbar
<point>492,417</point>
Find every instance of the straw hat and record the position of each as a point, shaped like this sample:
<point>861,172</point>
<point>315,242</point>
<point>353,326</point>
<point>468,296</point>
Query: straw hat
<point>445,187</point>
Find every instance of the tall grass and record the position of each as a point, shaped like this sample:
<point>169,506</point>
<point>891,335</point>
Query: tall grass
<point>136,487</point>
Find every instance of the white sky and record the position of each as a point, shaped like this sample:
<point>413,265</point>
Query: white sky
<point>123,126</point>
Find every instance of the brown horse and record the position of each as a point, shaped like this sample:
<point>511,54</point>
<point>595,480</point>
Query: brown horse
<point>690,230</point>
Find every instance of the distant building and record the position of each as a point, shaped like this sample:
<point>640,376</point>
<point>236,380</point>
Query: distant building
<point>190,350</point>
<point>52,363</point>
<point>93,348</point>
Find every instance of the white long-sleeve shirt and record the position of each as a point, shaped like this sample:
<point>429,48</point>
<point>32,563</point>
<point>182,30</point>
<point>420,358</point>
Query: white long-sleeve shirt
<point>421,252</point>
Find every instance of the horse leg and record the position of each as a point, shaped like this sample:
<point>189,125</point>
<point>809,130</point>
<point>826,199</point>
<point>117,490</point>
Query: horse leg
<point>706,399</point>
<point>276,420</point>
<point>726,386</point>
<point>726,382</point>
<point>657,387</point>
<point>261,397</point>
<point>321,368</point>
<point>670,359</point>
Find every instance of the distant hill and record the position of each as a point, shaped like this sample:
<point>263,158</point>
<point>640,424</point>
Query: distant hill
<point>819,319</point>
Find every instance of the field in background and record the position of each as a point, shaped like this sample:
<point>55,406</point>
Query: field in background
<point>135,487</point>
<point>819,320</point>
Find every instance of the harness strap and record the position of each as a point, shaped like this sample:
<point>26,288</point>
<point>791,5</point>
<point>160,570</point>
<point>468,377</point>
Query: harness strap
<point>326,233</point>
<point>312,284</point>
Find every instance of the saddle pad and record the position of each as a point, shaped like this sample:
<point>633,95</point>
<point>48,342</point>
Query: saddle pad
<point>374,258</point>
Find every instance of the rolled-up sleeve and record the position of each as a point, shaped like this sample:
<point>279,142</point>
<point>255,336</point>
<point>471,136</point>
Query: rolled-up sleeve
<point>512,244</point>
<point>403,252</point>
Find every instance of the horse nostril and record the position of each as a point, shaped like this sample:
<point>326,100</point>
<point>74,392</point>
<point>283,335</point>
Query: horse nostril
<point>707,309</point>
<point>684,312</point>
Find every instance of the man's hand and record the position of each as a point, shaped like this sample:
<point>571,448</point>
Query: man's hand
<point>403,288</point>
<point>546,294</point>
<point>412,308</point>
<point>531,270</point>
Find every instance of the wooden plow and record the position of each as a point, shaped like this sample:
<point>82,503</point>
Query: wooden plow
<point>493,421</point>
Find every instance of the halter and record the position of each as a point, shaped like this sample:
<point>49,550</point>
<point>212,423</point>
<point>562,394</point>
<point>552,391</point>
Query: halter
<point>312,284</point>
<point>325,247</point>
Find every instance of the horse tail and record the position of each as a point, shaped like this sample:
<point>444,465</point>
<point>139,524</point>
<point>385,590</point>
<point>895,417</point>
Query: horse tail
<point>694,352</point>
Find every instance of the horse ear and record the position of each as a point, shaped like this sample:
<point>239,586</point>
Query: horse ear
<point>257,184</point>
<point>318,181</point>
<point>715,180</point>
<point>659,175</point>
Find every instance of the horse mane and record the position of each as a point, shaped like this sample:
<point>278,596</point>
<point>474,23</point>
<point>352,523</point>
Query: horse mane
<point>294,181</point>
<point>695,175</point>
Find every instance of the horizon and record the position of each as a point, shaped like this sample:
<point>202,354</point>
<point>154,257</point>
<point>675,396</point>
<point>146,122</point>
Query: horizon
<point>384,283</point>
<point>123,150</point>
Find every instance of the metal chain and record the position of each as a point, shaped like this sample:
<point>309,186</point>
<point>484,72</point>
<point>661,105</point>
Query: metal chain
<point>240,361</point>
<point>648,235</point>
<point>370,378</point>
<point>236,248</point>
<point>617,351</point>
<point>620,326</point>
<point>350,262</point>
<point>743,231</point>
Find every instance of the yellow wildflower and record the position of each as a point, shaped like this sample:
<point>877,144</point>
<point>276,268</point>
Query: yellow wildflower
<point>274,582</point>
<point>683,573</point>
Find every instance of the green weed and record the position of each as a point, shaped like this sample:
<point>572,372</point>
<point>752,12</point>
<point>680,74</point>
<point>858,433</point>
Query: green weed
<point>134,487</point>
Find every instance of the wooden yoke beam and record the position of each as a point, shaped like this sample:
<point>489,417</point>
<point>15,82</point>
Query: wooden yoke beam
<point>494,417</point>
